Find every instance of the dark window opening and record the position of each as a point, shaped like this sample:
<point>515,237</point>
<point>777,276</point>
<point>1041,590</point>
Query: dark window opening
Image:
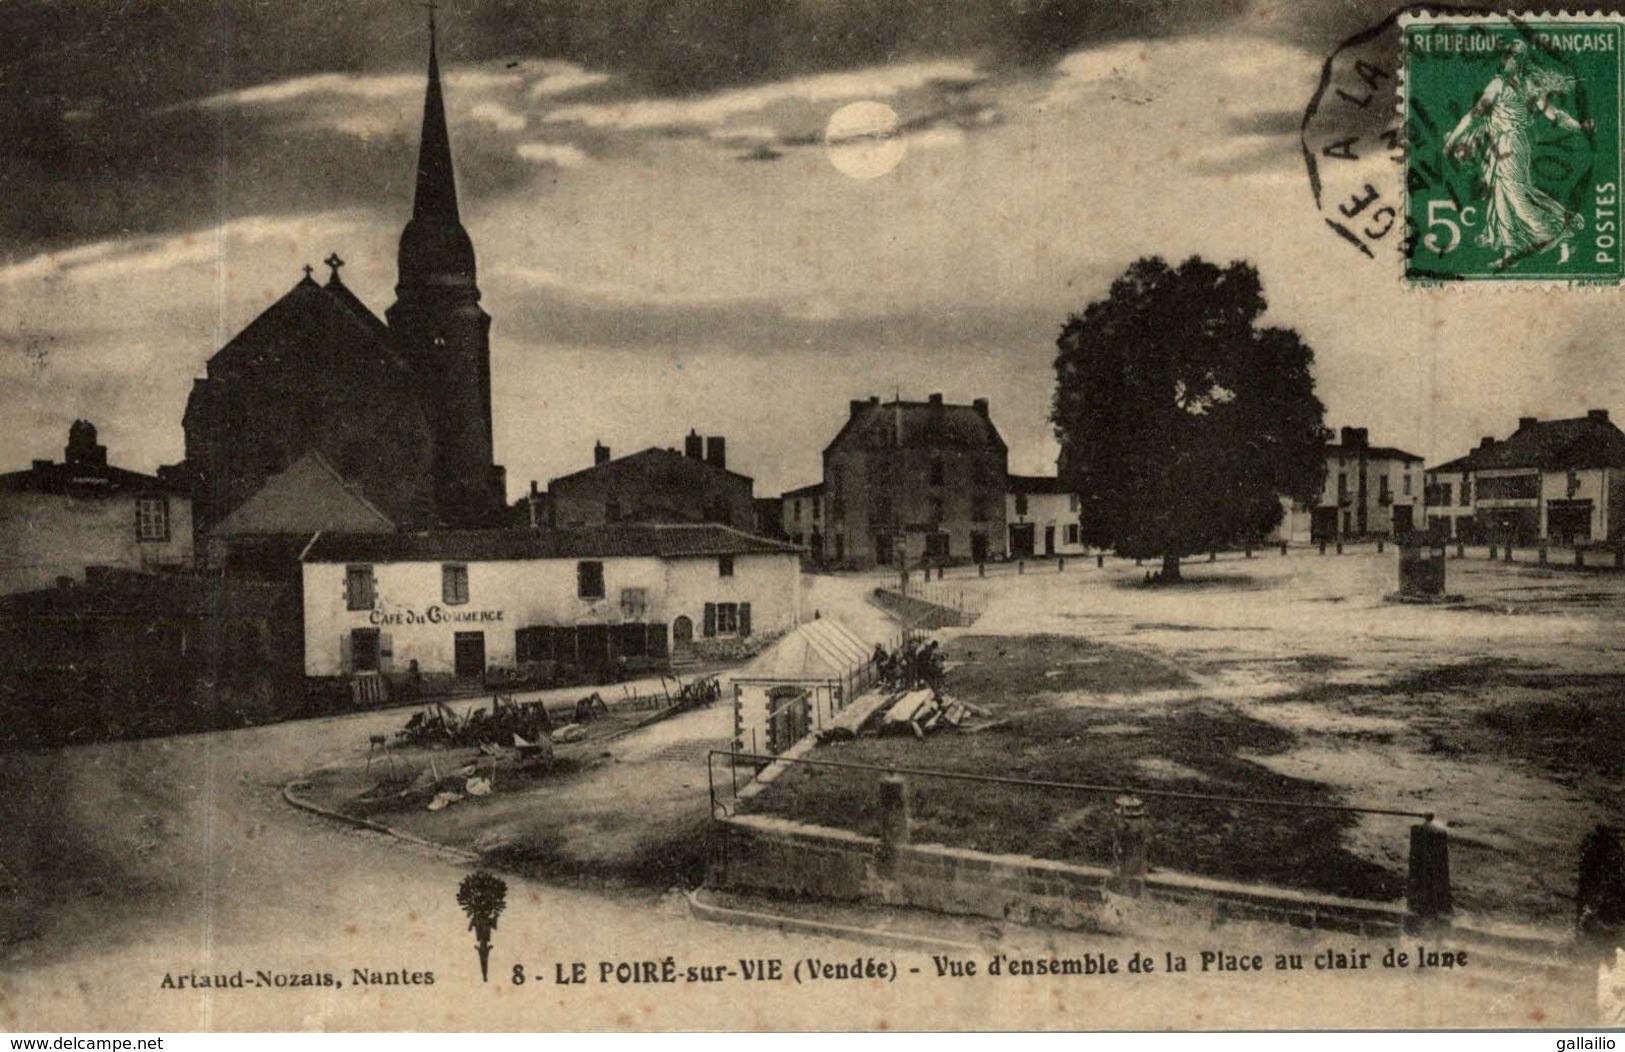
<point>590,580</point>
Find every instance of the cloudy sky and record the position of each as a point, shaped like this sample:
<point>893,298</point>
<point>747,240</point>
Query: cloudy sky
<point>665,238</point>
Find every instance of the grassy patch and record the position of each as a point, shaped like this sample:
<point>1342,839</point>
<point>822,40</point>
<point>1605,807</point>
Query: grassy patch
<point>1012,678</point>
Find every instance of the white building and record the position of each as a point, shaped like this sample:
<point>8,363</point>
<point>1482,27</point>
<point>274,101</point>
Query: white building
<point>1369,491</point>
<point>457,604</point>
<point>802,521</point>
<point>1041,517</point>
<point>1552,481</point>
<point>61,519</point>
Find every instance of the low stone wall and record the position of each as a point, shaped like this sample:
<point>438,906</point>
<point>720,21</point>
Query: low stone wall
<point>776,856</point>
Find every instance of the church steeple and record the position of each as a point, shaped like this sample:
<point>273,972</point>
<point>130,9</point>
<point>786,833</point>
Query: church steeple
<point>435,249</point>
<point>439,329</point>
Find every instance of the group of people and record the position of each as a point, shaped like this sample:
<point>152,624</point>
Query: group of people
<point>911,667</point>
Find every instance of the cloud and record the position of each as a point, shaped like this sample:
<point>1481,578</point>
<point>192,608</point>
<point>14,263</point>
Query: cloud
<point>497,116</point>
<point>563,154</point>
<point>713,111</point>
<point>346,85</point>
<point>564,78</point>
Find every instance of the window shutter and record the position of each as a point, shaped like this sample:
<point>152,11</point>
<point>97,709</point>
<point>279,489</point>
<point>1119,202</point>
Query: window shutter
<point>657,640</point>
<point>386,652</point>
<point>710,620</point>
<point>346,655</point>
<point>744,619</point>
<point>138,518</point>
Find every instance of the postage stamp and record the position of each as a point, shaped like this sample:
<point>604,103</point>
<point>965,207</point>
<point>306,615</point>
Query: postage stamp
<point>1512,170</point>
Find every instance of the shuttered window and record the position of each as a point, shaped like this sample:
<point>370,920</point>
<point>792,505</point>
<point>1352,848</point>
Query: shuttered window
<point>453,584</point>
<point>359,593</point>
<point>152,519</point>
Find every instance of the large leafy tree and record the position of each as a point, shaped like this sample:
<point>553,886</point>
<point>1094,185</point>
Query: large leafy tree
<point>1181,421</point>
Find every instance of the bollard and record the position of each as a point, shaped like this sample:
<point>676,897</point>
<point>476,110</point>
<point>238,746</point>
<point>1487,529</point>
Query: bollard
<point>1283,547</point>
<point>940,571</point>
<point>1540,555</point>
<point>1323,547</point>
<point>981,569</point>
<point>1136,562</point>
<point>1339,547</point>
<point>1021,567</point>
<point>1495,553</point>
<point>894,822</point>
<point>1599,916</point>
<point>1212,557</point>
<point>1100,561</point>
<point>1427,889</point>
<point>1248,552</point>
<point>1060,564</point>
<point>1461,550</point>
<point>1579,558</point>
<point>1128,846</point>
<point>1379,545</point>
<point>1506,556</point>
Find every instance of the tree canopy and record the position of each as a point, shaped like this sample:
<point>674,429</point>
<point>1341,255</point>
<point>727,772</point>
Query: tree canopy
<point>1182,422</point>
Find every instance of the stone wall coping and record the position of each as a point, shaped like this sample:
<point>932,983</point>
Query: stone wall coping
<point>1285,898</point>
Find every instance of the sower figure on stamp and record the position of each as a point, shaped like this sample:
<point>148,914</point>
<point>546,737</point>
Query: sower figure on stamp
<point>1520,219</point>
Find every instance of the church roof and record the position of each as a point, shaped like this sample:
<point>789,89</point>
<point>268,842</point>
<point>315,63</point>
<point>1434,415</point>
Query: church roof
<point>308,314</point>
<point>309,496</point>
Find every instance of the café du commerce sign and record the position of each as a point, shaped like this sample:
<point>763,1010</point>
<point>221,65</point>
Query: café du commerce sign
<point>434,615</point>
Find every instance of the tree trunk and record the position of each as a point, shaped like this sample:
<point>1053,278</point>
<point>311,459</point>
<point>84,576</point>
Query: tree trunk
<point>1170,569</point>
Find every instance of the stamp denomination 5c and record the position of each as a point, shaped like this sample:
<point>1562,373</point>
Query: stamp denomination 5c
<point>1512,168</point>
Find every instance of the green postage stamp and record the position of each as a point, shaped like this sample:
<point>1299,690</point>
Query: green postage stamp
<point>1512,163</point>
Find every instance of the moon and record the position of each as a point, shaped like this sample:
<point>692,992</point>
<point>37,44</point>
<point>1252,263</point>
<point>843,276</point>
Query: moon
<point>861,140</point>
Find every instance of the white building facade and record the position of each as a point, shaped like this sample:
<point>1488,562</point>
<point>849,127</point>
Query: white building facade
<point>1369,491</point>
<point>462,604</point>
<point>1041,518</point>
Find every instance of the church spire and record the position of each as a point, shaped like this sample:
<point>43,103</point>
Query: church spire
<point>436,189</point>
<point>435,249</point>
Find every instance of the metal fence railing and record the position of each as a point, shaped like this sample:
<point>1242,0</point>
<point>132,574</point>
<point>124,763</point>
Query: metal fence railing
<point>1427,880</point>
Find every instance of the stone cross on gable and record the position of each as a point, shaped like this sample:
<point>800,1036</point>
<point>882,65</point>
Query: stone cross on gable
<point>334,262</point>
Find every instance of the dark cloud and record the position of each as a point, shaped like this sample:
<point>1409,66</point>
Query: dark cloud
<point>96,148</point>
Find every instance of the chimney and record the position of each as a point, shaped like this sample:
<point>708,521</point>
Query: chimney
<point>1486,442</point>
<point>532,508</point>
<point>1527,421</point>
<point>716,451</point>
<point>980,405</point>
<point>874,399</point>
<point>857,405</point>
<point>600,455</point>
<point>694,445</point>
<point>82,447</point>
<point>42,465</point>
<point>1353,437</point>
<point>1597,414</point>
<point>935,399</point>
